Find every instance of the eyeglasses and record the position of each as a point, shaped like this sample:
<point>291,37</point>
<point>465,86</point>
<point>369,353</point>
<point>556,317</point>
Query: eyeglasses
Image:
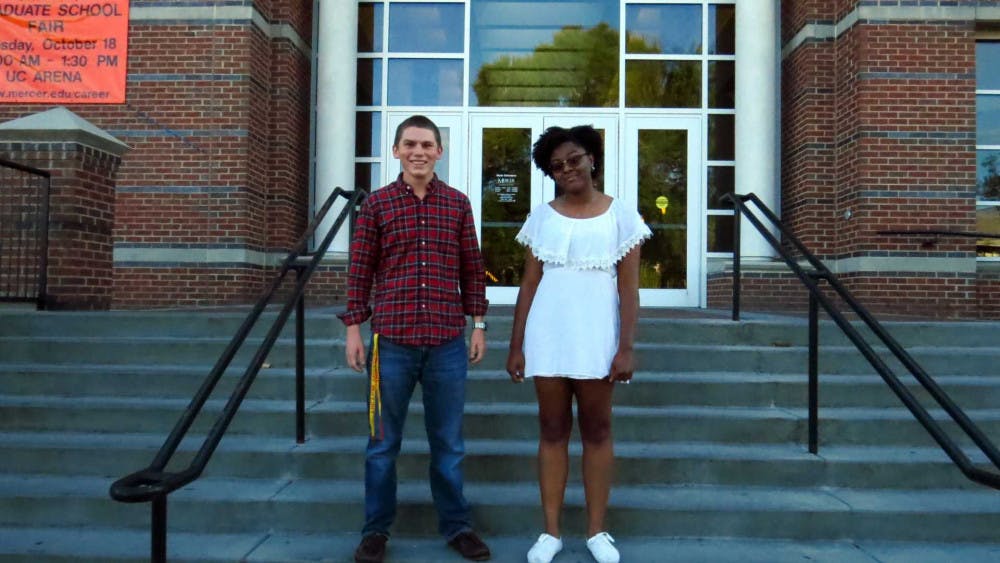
<point>572,161</point>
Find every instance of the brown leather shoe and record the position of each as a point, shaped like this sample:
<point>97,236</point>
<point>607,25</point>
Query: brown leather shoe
<point>470,546</point>
<point>371,549</point>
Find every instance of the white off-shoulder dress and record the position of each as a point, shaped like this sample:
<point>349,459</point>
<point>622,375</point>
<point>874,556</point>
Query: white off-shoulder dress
<point>573,324</point>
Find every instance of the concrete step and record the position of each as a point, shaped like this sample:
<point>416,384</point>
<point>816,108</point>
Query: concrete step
<point>638,463</point>
<point>490,386</point>
<point>838,425</point>
<point>57,545</point>
<point>328,353</point>
<point>706,326</point>
<point>321,506</point>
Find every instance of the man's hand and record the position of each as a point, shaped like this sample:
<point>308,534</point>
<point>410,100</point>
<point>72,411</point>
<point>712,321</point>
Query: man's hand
<point>354,350</point>
<point>477,345</point>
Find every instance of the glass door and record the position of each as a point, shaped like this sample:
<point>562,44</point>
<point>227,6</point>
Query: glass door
<point>660,173</point>
<point>663,179</point>
<point>505,187</point>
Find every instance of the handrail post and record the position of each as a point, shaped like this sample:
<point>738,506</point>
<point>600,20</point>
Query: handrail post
<point>813,373</point>
<point>738,216</point>
<point>158,535</point>
<point>300,366</point>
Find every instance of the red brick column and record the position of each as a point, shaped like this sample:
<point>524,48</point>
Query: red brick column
<point>878,134</point>
<point>83,162</point>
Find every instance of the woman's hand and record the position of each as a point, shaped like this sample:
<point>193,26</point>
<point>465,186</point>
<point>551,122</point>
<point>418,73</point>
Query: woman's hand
<point>515,365</point>
<point>622,367</point>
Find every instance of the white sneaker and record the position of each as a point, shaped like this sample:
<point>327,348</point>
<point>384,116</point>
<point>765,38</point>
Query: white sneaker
<point>600,546</point>
<point>544,549</point>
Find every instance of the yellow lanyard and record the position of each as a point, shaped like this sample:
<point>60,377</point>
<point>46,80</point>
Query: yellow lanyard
<point>374,393</point>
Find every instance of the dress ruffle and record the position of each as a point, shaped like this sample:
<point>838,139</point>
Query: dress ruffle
<point>596,243</point>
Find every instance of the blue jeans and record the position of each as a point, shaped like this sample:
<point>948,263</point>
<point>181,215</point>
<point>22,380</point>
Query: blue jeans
<point>441,371</point>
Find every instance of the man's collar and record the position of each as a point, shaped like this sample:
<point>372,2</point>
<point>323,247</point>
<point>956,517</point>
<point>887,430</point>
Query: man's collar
<point>432,186</point>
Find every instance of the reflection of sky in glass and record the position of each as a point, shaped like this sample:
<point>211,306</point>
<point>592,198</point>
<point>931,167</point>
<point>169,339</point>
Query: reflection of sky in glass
<point>676,29</point>
<point>516,27</point>
<point>376,146</point>
<point>425,82</point>
<point>988,65</point>
<point>988,120</point>
<point>441,168</point>
<point>426,28</point>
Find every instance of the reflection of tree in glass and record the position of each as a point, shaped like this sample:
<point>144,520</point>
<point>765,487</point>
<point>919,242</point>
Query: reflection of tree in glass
<point>663,172</point>
<point>989,188</point>
<point>505,152</point>
<point>660,83</point>
<point>579,68</point>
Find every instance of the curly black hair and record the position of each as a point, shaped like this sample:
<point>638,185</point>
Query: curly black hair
<point>584,136</point>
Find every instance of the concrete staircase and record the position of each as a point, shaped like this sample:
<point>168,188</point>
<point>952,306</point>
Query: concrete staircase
<point>710,441</point>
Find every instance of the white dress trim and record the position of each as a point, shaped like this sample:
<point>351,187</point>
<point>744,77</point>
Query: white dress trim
<point>582,243</point>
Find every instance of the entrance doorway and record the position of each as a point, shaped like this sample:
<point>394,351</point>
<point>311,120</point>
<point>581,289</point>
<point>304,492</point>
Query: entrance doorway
<point>653,164</point>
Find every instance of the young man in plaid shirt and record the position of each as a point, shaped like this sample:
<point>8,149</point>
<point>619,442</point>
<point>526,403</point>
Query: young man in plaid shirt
<point>415,243</point>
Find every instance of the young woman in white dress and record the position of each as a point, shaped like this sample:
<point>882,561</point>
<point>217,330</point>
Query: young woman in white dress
<point>574,326</point>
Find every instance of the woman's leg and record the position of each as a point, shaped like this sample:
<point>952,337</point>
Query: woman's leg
<point>555,421</point>
<point>593,404</point>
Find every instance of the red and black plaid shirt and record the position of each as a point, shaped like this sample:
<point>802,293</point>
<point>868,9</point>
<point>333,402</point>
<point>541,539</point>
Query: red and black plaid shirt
<point>424,261</point>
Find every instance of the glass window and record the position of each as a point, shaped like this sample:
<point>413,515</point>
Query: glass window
<point>988,119</point>
<point>370,28</point>
<point>663,84</point>
<point>721,137</point>
<point>368,138</point>
<point>988,149</point>
<point>668,29</point>
<point>988,65</point>
<point>366,176</point>
<point>556,53</point>
<point>720,233</point>
<point>722,30</point>
<point>721,181</point>
<point>425,82</point>
<point>369,82</point>
<point>988,221</point>
<point>426,28</point>
<point>721,84</point>
<point>988,175</point>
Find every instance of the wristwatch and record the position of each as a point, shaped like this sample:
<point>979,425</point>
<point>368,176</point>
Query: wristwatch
<point>479,325</point>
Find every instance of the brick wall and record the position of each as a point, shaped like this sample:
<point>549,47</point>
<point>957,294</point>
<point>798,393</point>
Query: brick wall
<point>81,204</point>
<point>878,129</point>
<point>216,181</point>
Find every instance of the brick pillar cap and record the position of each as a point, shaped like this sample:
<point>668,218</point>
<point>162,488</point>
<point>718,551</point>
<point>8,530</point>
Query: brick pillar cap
<point>60,125</point>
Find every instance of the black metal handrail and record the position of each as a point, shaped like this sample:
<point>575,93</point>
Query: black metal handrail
<point>154,483</point>
<point>24,236</point>
<point>816,297</point>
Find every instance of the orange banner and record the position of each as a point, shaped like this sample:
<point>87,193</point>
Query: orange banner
<point>63,52</point>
